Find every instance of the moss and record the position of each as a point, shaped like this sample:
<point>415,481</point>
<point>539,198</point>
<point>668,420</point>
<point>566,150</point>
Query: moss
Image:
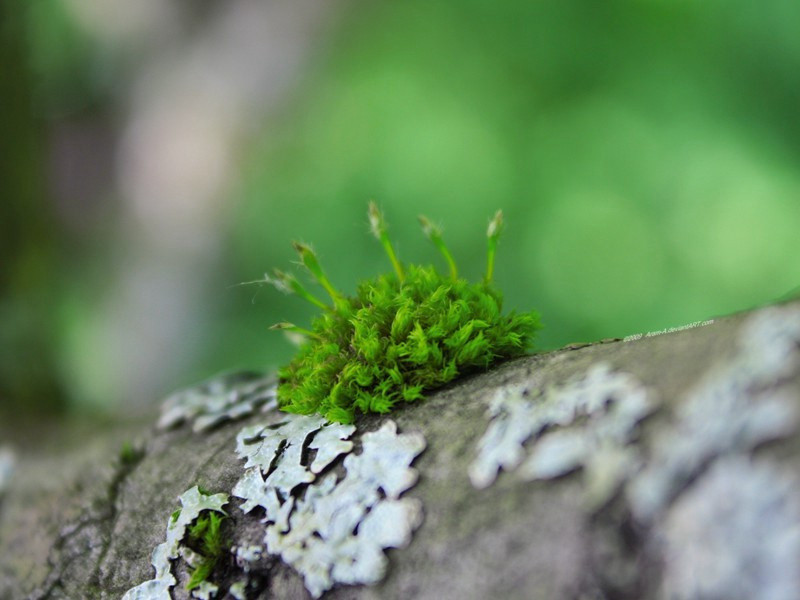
<point>205,538</point>
<point>130,454</point>
<point>402,335</point>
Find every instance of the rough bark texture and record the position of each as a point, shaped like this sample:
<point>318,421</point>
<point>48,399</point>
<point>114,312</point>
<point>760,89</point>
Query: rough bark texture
<point>705,507</point>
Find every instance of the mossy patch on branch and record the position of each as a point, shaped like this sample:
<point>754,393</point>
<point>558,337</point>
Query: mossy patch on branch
<point>403,334</point>
<point>205,538</point>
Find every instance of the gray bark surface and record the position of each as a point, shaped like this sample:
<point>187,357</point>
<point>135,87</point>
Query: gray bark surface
<point>81,523</point>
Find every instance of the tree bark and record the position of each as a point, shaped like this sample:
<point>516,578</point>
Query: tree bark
<point>660,466</point>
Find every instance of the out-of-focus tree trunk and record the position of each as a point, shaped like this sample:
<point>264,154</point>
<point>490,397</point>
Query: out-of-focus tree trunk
<point>28,380</point>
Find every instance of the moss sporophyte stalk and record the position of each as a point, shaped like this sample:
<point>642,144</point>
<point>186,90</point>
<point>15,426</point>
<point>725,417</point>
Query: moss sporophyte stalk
<point>403,334</point>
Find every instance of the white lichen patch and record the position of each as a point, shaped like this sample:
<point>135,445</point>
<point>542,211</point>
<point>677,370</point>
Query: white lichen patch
<point>735,534</point>
<point>740,404</point>
<point>205,591</point>
<point>512,424</point>
<point>221,399</point>
<point>274,460</point>
<point>608,404</point>
<point>238,590</point>
<point>336,530</point>
<point>245,555</point>
<point>193,502</point>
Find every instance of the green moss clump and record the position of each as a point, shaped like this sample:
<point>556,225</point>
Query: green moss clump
<point>129,454</point>
<point>403,334</point>
<point>205,538</point>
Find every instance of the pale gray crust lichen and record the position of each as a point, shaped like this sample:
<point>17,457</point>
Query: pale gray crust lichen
<point>193,502</point>
<point>726,525</point>
<point>218,400</point>
<point>734,535</point>
<point>334,531</point>
<point>740,404</point>
<point>205,591</point>
<point>274,463</point>
<point>721,523</point>
<point>610,406</point>
<point>238,590</point>
<point>337,530</point>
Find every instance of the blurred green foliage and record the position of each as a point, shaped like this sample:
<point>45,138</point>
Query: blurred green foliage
<point>29,377</point>
<point>646,155</point>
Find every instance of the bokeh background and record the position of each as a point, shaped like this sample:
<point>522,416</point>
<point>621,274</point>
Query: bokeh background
<point>154,154</point>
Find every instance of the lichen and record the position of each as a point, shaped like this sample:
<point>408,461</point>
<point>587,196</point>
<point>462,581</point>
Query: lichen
<point>400,336</point>
<point>246,555</point>
<point>740,404</point>
<point>734,535</point>
<point>238,590</point>
<point>218,400</point>
<point>512,423</point>
<point>205,590</point>
<point>609,404</point>
<point>720,523</point>
<point>335,530</point>
<point>193,503</point>
<point>274,460</point>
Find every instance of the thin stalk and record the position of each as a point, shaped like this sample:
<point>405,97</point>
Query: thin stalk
<point>378,225</point>
<point>284,326</point>
<point>434,234</point>
<point>288,283</point>
<point>311,263</point>
<point>492,235</point>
